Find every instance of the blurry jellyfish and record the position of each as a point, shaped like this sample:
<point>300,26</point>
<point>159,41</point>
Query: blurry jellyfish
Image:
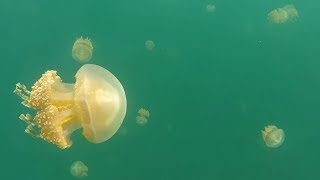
<point>150,45</point>
<point>143,116</point>
<point>82,50</point>
<point>141,120</point>
<point>291,11</point>
<point>79,169</point>
<point>283,15</point>
<point>211,8</point>
<point>96,102</point>
<point>273,136</point>
<point>278,16</point>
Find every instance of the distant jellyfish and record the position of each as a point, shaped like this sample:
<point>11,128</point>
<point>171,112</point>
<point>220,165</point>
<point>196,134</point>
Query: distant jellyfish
<point>82,50</point>
<point>283,15</point>
<point>292,12</point>
<point>142,118</point>
<point>278,16</point>
<point>273,136</point>
<point>79,169</point>
<point>150,45</point>
<point>211,8</point>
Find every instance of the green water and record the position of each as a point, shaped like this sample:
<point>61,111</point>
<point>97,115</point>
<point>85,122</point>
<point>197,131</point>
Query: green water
<point>211,84</point>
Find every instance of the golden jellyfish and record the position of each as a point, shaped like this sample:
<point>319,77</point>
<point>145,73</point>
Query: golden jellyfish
<point>273,136</point>
<point>150,45</point>
<point>278,16</point>
<point>211,8</point>
<point>79,169</point>
<point>82,50</point>
<point>96,103</point>
<point>143,116</point>
<point>283,15</point>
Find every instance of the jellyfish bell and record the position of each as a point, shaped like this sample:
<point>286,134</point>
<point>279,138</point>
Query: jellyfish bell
<point>96,103</point>
<point>79,169</point>
<point>104,100</point>
<point>278,16</point>
<point>273,136</point>
<point>144,112</point>
<point>283,15</point>
<point>82,50</point>
<point>149,44</point>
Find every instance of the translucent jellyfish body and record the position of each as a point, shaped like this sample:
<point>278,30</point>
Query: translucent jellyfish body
<point>79,169</point>
<point>82,50</point>
<point>142,118</point>
<point>150,45</point>
<point>291,11</point>
<point>278,16</point>
<point>273,136</point>
<point>210,8</point>
<point>283,15</point>
<point>96,103</point>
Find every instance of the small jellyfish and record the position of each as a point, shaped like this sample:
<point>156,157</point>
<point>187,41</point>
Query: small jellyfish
<point>143,116</point>
<point>211,8</point>
<point>82,50</point>
<point>292,12</point>
<point>96,103</point>
<point>150,45</point>
<point>283,15</point>
<point>79,169</point>
<point>273,136</point>
<point>278,16</point>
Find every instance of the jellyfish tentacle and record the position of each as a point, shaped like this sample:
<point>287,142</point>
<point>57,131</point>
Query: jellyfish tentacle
<point>35,133</point>
<point>27,118</point>
<point>31,125</point>
<point>22,91</point>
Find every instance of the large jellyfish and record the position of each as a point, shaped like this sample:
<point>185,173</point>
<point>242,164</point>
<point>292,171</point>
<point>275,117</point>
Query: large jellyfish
<point>79,169</point>
<point>272,136</point>
<point>96,103</point>
<point>82,50</point>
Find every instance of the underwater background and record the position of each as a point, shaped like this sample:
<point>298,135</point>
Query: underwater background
<point>211,84</point>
